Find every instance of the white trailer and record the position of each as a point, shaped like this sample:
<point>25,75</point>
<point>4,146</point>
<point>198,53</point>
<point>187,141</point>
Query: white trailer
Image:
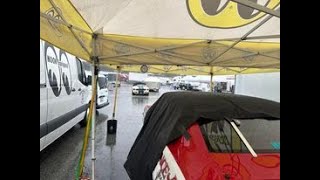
<point>262,85</point>
<point>153,83</point>
<point>137,77</point>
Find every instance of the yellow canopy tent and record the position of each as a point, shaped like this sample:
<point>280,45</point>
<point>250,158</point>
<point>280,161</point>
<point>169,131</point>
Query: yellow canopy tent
<point>190,70</point>
<point>184,33</point>
<point>181,37</point>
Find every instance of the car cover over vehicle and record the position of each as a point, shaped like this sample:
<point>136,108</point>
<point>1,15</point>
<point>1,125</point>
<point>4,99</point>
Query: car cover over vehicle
<point>171,115</point>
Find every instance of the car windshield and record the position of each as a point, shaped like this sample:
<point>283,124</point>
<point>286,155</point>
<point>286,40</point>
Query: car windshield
<point>102,82</point>
<point>263,135</point>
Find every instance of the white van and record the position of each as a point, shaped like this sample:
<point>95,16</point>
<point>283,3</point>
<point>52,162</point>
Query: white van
<point>102,86</point>
<point>102,99</point>
<point>64,94</point>
<point>112,76</point>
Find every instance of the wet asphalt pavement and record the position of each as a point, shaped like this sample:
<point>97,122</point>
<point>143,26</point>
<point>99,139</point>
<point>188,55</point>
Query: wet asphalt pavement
<point>59,160</point>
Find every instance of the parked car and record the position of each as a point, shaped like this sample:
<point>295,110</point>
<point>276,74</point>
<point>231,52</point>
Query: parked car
<point>102,87</point>
<point>140,88</point>
<point>200,135</point>
<point>183,85</point>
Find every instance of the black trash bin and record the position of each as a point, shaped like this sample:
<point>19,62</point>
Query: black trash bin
<point>112,126</point>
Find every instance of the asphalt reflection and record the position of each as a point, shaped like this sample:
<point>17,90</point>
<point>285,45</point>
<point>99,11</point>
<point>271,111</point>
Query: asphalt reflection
<point>59,160</point>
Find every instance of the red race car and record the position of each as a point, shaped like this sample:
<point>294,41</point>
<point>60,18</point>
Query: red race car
<point>233,137</point>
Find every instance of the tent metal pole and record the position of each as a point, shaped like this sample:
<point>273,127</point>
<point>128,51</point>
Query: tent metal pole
<point>135,62</point>
<point>243,70</point>
<point>116,93</point>
<point>234,86</point>
<point>190,44</point>
<point>211,83</point>
<point>163,70</point>
<point>263,37</point>
<point>234,58</point>
<point>242,38</point>
<point>160,59</point>
<point>278,58</point>
<point>211,80</point>
<point>253,54</point>
<point>70,27</point>
<point>258,7</point>
<point>149,50</point>
<point>152,51</point>
<point>126,54</point>
<point>177,56</point>
<point>243,50</point>
<point>93,121</point>
<point>160,49</point>
<point>122,60</point>
<point>225,68</point>
<point>202,71</point>
<point>93,158</point>
<point>274,36</point>
<point>63,23</point>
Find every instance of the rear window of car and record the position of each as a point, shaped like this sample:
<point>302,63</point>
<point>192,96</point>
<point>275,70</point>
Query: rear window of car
<point>263,135</point>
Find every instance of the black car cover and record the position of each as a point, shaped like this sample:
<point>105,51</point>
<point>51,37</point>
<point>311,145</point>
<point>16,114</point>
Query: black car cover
<point>171,115</point>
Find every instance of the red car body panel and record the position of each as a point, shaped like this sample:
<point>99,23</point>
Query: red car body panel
<point>197,163</point>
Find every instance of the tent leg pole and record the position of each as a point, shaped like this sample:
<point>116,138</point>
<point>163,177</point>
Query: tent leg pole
<point>211,79</point>
<point>211,82</point>
<point>115,94</point>
<point>93,158</point>
<point>94,93</point>
<point>112,124</point>
<point>234,86</point>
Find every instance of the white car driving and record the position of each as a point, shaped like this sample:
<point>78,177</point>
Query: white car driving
<point>140,89</point>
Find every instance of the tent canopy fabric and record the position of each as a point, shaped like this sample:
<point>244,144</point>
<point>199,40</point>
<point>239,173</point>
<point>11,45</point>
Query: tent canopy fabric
<point>191,70</point>
<point>180,35</point>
